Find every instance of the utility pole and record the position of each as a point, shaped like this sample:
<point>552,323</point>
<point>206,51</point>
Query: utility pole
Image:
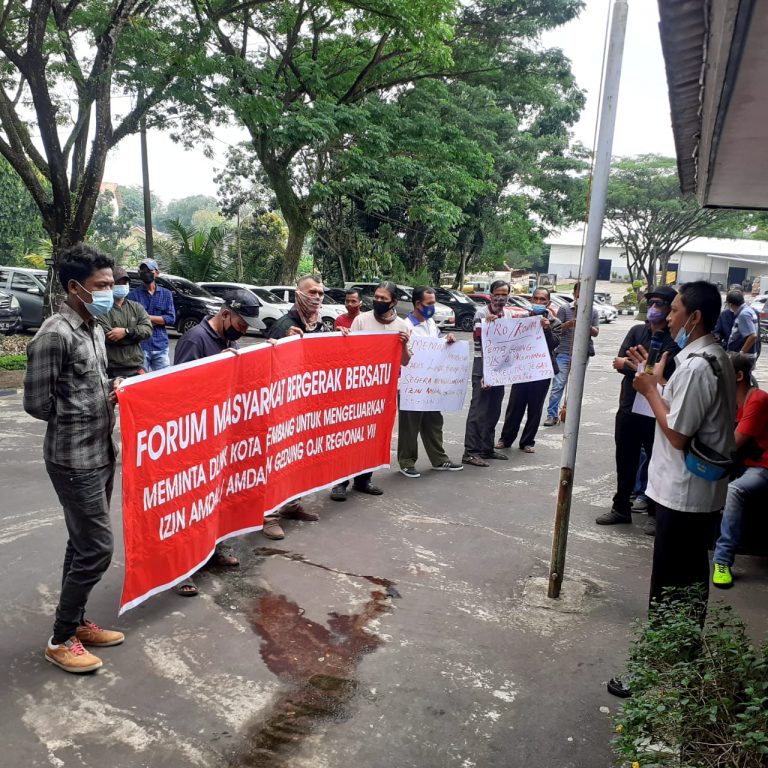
<point>147,197</point>
<point>580,352</point>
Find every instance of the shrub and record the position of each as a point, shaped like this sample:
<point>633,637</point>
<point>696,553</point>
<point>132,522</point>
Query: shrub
<point>13,362</point>
<point>699,698</point>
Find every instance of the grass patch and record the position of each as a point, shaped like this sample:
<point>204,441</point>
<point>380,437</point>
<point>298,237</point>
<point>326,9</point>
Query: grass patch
<point>13,362</point>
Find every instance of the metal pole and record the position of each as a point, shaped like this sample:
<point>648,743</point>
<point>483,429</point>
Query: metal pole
<point>147,197</point>
<point>580,353</point>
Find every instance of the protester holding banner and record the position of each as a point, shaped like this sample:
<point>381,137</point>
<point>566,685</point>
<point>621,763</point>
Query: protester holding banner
<point>303,317</point>
<point>125,327</point>
<point>354,307</point>
<point>212,336</point>
<point>428,424</point>
<point>530,395</point>
<point>66,385</point>
<point>485,407</point>
<point>383,318</point>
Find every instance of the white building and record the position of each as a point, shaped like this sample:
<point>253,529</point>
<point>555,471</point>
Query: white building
<point>705,258</point>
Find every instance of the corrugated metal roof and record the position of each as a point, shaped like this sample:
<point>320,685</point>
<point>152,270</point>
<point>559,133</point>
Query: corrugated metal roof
<point>683,30</point>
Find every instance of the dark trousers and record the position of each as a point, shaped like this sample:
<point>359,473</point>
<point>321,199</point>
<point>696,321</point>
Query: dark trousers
<point>527,396</point>
<point>85,495</point>
<point>632,433</point>
<point>484,412</point>
<point>360,481</point>
<point>681,550</point>
<point>428,424</point>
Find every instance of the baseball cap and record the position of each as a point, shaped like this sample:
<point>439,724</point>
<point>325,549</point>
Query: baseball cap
<point>119,274</point>
<point>246,307</point>
<point>663,292</point>
<point>150,264</point>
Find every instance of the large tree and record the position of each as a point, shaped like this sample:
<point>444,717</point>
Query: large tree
<point>63,65</point>
<point>20,226</point>
<point>295,71</point>
<point>649,218</point>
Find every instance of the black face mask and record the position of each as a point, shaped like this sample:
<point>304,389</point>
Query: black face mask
<point>147,278</point>
<point>381,307</point>
<point>231,333</point>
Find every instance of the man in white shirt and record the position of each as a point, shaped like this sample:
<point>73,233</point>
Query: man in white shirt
<point>428,424</point>
<point>383,318</point>
<point>698,402</point>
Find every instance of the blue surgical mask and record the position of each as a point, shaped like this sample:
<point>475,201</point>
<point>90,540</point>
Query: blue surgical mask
<point>427,311</point>
<point>121,291</point>
<point>655,315</point>
<point>538,309</point>
<point>682,337</point>
<point>102,302</point>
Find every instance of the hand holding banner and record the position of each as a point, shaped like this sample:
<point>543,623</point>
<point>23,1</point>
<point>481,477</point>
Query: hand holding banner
<point>437,376</point>
<point>514,351</point>
<point>212,445</point>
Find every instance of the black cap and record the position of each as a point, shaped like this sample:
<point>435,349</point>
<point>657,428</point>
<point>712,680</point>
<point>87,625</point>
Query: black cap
<point>246,307</point>
<point>663,292</point>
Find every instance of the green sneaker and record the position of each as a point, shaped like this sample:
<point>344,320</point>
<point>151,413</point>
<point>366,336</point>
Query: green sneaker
<point>722,576</point>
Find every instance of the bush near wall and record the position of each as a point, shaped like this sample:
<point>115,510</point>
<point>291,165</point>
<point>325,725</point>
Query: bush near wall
<point>13,362</point>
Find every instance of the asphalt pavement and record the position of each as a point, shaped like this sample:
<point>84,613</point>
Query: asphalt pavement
<point>408,630</point>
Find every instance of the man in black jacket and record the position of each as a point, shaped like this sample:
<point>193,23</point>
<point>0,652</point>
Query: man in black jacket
<point>635,430</point>
<point>530,395</point>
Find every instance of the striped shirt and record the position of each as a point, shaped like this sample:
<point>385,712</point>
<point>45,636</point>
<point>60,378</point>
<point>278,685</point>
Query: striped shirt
<point>66,385</point>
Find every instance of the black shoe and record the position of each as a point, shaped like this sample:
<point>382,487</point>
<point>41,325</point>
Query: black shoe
<point>649,529</point>
<point>612,518</point>
<point>339,493</point>
<point>495,455</point>
<point>619,687</point>
<point>370,488</point>
<point>410,472</point>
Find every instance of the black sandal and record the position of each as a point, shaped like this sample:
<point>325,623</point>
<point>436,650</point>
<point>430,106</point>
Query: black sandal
<point>186,588</point>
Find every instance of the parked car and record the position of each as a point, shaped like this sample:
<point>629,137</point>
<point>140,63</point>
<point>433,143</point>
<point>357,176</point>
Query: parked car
<point>463,307</point>
<point>10,313</point>
<point>191,302</point>
<point>606,313</point>
<point>270,308</point>
<point>340,294</point>
<point>28,287</point>
<point>553,305</point>
<point>444,317</point>
<point>330,309</point>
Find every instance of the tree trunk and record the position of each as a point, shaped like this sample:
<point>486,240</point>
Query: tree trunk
<point>297,233</point>
<point>458,282</point>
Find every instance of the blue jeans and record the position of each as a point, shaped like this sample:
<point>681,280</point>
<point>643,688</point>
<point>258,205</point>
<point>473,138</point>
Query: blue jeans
<point>754,481</point>
<point>156,359</point>
<point>558,385</point>
<point>641,481</point>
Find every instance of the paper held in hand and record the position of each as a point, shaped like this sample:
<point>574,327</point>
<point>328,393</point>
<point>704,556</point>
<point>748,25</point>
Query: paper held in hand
<point>436,377</point>
<point>514,351</point>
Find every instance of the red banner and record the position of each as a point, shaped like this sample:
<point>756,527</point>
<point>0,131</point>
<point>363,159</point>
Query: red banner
<point>211,446</point>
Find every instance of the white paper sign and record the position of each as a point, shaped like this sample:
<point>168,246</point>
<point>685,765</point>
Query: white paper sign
<point>514,351</point>
<point>436,377</point>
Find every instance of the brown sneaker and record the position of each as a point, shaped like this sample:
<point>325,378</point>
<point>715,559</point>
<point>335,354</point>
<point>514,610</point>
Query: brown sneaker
<point>92,634</point>
<point>272,529</point>
<point>72,657</point>
<point>297,512</point>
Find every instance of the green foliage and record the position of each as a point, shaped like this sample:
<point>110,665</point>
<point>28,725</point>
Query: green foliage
<point>262,243</point>
<point>184,210</point>
<point>699,698</point>
<point>13,362</point>
<point>20,223</point>
<point>194,254</point>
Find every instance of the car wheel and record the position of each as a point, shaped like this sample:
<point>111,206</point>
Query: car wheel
<point>467,323</point>
<point>328,324</point>
<point>187,324</point>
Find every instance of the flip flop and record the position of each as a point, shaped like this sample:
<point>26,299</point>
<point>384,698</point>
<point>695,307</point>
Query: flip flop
<point>186,588</point>
<point>223,558</point>
<point>527,449</point>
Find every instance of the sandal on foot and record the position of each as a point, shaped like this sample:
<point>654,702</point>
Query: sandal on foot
<point>186,588</point>
<point>527,449</point>
<point>474,461</point>
<point>501,445</point>
<point>223,557</point>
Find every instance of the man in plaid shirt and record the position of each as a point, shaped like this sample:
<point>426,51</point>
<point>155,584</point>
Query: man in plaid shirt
<point>66,385</point>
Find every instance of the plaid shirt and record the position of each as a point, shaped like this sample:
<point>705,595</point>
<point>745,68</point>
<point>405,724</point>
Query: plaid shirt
<point>66,385</point>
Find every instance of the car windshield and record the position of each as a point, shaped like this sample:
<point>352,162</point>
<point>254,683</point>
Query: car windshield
<point>329,299</point>
<point>187,287</point>
<point>461,297</point>
<point>266,296</point>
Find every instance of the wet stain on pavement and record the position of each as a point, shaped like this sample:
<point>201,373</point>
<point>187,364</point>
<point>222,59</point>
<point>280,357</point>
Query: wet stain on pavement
<point>317,663</point>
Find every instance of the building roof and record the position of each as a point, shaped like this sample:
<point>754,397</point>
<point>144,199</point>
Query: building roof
<point>706,245</point>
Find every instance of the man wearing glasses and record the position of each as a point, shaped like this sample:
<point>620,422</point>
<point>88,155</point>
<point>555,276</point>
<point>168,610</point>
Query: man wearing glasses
<point>634,430</point>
